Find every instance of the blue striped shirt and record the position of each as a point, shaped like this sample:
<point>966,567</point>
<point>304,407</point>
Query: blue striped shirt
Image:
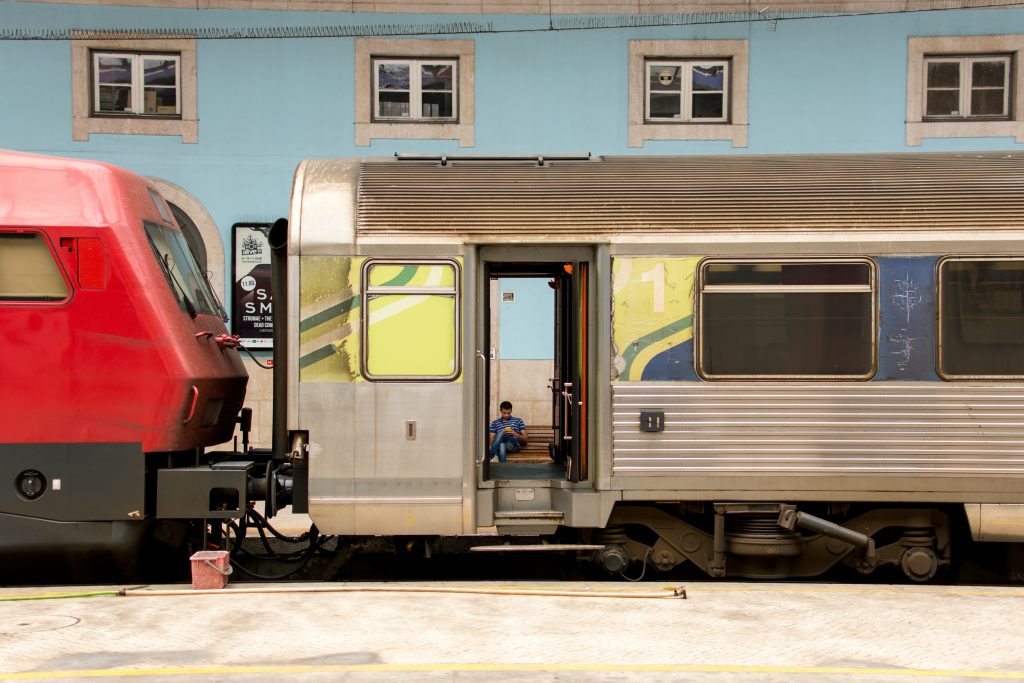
<point>499,425</point>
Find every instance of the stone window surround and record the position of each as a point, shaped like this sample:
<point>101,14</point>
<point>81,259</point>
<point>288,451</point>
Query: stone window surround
<point>366,129</point>
<point>919,47</point>
<point>734,131</point>
<point>83,123</point>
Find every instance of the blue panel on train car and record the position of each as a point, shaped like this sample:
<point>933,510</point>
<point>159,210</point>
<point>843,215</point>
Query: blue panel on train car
<point>674,364</point>
<point>906,331</point>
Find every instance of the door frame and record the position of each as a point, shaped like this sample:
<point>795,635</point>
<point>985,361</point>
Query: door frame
<point>534,259</point>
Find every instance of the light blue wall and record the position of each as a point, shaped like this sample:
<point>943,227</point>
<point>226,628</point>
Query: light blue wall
<point>527,326</point>
<point>816,85</point>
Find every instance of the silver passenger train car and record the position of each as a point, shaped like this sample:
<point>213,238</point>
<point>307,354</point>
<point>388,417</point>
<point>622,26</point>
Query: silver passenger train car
<point>764,366</point>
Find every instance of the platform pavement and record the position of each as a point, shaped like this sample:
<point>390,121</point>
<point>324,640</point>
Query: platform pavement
<point>516,631</point>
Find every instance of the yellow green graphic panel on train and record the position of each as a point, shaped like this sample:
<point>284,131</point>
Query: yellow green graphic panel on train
<point>329,319</point>
<point>388,319</point>
<point>652,317</point>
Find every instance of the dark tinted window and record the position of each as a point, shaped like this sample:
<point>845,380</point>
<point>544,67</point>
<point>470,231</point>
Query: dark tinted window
<point>180,269</point>
<point>762,319</point>
<point>981,317</point>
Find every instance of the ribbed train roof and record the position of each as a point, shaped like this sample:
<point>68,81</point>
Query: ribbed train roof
<point>693,194</point>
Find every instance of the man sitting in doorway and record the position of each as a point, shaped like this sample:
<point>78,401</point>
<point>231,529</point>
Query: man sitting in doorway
<point>508,434</point>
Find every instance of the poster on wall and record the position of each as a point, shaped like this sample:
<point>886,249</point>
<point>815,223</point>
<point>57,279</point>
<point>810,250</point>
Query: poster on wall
<point>251,304</point>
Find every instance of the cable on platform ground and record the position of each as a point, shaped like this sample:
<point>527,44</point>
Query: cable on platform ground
<point>676,593</point>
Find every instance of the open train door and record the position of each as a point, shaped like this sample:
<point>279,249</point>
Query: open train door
<point>569,385</point>
<point>569,278</point>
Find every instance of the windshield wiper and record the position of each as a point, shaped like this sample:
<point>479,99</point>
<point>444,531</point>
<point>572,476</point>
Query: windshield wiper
<point>189,306</point>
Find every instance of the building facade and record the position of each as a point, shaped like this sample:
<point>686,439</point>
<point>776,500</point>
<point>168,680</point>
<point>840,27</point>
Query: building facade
<point>217,100</point>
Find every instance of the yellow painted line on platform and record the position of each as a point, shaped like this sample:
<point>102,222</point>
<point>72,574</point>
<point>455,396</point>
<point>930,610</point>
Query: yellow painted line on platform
<point>423,668</point>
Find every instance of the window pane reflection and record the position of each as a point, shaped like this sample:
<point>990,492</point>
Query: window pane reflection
<point>943,74</point>
<point>115,70</point>
<point>709,77</point>
<point>942,103</point>
<point>161,100</point>
<point>394,104</point>
<point>987,102</point>
<point>437,105</point>
<point>437,76</point>
<point>988,74</point>
<point>665,78</point>
<point>708,106</point>
<point>665,106</point>
<point>393,76</point>
<point>114,98</point>
<point>160,72</point>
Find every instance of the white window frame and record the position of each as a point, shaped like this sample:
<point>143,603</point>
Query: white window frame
<point>686,91</point>
<point>733,128</point>
<point>137,87</point>
<point>460,127</point>
<point>966,87</point>
<point>85,123</point>
<point>922,48</point>
<point>416,89</point>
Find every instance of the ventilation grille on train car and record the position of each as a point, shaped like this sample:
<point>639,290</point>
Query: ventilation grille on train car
<point>670,194</point>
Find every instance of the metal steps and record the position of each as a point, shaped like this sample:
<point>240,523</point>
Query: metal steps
<point>528,521</point>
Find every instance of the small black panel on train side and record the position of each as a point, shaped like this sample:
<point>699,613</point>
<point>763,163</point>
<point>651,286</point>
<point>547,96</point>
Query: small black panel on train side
<point>652,421</point>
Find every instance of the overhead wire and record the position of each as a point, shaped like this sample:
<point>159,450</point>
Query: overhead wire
<point>554,24</point>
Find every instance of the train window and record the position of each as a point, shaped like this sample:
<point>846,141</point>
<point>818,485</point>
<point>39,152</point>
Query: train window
<point>179,268</point>
<point>768,319</point>
<point>161,207</point>
<point>29,270</point>
<point>981,317</point>
<point>410,320</point>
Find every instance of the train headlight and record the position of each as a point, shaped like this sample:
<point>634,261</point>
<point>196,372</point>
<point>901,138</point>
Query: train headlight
<point>30,484</point>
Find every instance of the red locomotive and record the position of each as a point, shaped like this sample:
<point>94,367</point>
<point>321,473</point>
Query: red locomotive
<point>117,367</point>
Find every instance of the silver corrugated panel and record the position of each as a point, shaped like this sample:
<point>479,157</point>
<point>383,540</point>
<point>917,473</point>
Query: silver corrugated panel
<point>870,428</point>
<point>694,193</point>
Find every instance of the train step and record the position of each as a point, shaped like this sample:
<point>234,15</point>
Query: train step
<point>528,514</point>
<point>535,547</point>
<point>528,521</point>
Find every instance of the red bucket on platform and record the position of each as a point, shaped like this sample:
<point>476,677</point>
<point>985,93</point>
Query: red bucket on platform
<point>210,569</point>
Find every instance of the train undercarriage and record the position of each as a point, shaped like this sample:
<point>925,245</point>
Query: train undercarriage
<point>762,541</point>
<point>775,540</point>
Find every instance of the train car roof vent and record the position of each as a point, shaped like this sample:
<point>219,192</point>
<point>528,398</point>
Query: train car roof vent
<point>538,159</point>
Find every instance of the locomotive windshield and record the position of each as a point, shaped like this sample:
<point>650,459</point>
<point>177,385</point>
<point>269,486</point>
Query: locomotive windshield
<point>179,267</point>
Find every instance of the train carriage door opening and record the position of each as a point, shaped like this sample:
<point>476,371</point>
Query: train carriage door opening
<point>536,350</point>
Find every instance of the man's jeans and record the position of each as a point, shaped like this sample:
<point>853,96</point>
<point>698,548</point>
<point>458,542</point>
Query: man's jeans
<point>504,443</point>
